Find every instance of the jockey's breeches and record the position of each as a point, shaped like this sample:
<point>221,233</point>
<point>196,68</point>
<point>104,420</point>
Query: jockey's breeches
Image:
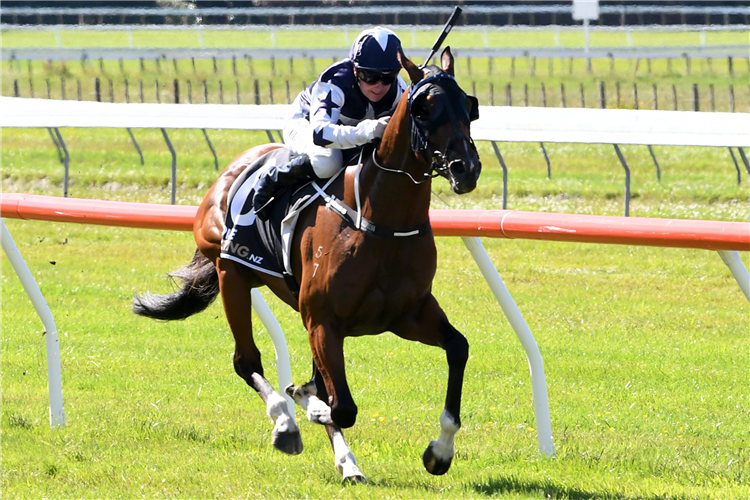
<point>298,137</point>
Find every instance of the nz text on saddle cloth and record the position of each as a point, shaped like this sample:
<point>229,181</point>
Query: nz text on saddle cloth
<point>264,245</point>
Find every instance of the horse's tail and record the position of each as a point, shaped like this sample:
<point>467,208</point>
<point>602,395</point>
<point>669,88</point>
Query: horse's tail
<point>200,286</point>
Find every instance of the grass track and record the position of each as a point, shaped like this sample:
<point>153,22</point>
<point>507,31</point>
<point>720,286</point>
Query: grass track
<point>646,355</point>
<point>646,350</point>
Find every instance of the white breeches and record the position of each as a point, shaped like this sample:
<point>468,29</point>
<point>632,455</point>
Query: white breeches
<point>298,137</point>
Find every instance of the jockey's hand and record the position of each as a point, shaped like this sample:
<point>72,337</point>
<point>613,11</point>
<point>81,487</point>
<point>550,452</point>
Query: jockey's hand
<point>380,126</point>
<point>369,130</point>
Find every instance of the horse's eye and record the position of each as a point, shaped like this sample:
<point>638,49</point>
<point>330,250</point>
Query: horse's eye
<point>420,111</point>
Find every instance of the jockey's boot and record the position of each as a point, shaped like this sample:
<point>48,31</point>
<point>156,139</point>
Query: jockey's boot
<point>297,170</point>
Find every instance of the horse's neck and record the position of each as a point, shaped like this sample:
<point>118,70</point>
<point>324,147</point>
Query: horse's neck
<point>389,198</point>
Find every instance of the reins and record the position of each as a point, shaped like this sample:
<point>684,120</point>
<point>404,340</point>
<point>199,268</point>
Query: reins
<point>427,175</point>
<point>360,223</point>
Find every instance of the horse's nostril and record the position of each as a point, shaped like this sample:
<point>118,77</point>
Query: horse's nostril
<point>457,167</point>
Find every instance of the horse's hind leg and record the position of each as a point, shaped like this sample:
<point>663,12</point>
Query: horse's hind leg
<point>430,326</point>
<point>308,396</point>
<point>235,284</point>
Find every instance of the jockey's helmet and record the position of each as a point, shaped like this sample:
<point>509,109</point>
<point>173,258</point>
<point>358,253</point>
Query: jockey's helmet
<point>375,49</point>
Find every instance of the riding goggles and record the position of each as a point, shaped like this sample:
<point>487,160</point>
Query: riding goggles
<point>370,76</point>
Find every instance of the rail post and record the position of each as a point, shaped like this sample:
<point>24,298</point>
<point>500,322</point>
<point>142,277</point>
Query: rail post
<point>54,377</point>
<point>536,366</point>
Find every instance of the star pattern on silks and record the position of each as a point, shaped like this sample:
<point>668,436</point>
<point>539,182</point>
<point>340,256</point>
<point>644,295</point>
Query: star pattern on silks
<point>318,139</point>
<point>328,103</point>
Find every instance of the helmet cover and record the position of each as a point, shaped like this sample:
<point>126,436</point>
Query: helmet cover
<point>376,49</point>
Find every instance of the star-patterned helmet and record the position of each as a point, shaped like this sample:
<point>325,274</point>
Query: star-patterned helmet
<point>376,49</point>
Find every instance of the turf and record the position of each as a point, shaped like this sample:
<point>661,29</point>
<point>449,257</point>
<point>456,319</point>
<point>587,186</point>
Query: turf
<point>646,350</point>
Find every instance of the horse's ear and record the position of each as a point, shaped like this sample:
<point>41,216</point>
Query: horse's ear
<point>415,74</point>
<point>446,60</point>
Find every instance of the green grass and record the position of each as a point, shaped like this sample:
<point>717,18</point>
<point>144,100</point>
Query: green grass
<point>645,349</point>
<point>342,38</point>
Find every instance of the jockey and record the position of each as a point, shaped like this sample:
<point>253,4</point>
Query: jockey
<point>348,106</point>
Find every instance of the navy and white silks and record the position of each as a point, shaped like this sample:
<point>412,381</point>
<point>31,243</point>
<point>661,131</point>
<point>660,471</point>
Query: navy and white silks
<point>332,117</point>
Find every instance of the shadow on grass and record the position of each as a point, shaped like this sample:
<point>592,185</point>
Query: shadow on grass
<point>546,489</point>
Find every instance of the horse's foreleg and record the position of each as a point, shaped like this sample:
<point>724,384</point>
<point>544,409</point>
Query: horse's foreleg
<point>345,462</point>
<point>431,327</point>
<point>328,356</point>
<point>235,294</point>
<point>317,411</point>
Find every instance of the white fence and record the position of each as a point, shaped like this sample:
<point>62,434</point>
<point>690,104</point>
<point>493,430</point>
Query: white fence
<point>495,124</point>
<point>125,53</point>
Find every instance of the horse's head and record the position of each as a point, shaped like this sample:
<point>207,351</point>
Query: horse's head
<point>440,116</point>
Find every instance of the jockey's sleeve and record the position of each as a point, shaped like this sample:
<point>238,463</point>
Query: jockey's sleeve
<point>325,109</point>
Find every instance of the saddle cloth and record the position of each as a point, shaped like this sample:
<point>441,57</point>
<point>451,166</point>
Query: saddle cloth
<point>264,245</point>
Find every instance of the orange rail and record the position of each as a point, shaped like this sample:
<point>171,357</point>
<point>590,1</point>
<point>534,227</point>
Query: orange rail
<point>709,235</point>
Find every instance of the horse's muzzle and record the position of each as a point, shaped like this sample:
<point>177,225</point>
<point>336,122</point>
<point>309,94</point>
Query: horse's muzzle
<point>464,174</point>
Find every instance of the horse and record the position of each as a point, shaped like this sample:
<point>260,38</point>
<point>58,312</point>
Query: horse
<point>367,275</point>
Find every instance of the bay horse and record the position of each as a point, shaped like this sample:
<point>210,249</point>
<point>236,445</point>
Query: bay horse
<point>352,281</point>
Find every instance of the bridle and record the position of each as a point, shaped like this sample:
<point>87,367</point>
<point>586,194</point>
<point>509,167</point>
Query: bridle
<point>445,86</point>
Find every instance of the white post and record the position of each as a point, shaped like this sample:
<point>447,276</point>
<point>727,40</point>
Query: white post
<point>586,43</point>
<point>56,413</point>
<point>283,367</point>
<point>586,10</point>
<point>536,367</point>
<point>739,271</point>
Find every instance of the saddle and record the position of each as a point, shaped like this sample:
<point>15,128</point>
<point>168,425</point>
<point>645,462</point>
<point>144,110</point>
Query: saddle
<point>265,245</point>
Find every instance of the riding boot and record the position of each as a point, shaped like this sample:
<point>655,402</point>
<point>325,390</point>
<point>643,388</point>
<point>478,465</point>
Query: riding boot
<point>297,170</point>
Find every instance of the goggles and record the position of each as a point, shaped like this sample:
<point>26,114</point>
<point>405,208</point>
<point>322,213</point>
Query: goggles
<point>370,76</point>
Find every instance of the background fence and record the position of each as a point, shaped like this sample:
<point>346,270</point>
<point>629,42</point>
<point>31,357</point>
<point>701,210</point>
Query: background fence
<point>522,81</point>
<point>297,13</point>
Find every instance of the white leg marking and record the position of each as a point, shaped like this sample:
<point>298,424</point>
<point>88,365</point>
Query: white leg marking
<point>345,462</point>
<point>277,410</point>
<point>317,411</point>
<point>443,447</point>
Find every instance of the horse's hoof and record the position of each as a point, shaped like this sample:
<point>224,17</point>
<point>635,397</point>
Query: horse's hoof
<point>351,474</point>
<point>357,478</point>
<point>288,442</point>
<point>289,390</point>
<point>433,464</point>
<point>298,392</point>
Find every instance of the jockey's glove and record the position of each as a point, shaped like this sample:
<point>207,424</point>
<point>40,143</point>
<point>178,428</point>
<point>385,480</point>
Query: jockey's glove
<point>372,129</point>
<point>381,123</point>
